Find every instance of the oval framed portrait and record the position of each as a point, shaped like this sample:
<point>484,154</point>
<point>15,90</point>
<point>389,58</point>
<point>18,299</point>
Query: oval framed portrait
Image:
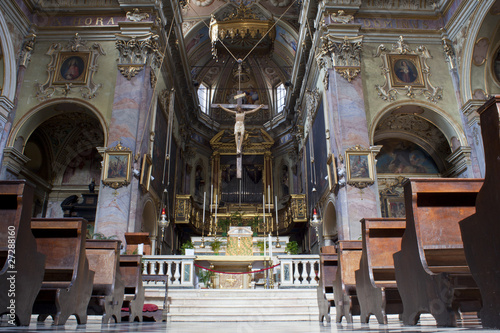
<point>72,68</point>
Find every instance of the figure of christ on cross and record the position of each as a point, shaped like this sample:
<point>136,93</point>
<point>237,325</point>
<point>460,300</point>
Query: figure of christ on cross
<point>239,125</point>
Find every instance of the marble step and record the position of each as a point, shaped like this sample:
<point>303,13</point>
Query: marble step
<point>244,318</point>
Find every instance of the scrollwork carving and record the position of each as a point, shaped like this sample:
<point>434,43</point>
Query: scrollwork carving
<point>27,50</point>
<point>343,54</point>
<point>395,85</point>
<point>136,52</point>
<point>56,83</point>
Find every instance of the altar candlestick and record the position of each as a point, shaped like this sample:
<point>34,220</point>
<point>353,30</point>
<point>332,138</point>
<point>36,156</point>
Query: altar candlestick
<point>269,196</point>
<point>264,219</point>
<point>216,200</point>
<point>211,196</point>
<point>204,198</point>
<point>276,209</point>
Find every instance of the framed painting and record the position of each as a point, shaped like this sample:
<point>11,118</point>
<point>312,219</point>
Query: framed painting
<point>405,70</point>
<point>72,67</point>
<point>332,171</point>
<point>395,206</point>
<point>146,172</point>
<point>117,166</point>
<point>359,167</point>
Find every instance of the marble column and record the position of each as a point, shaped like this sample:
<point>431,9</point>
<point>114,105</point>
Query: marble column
<point>129,126</point>
<point>348,125</point>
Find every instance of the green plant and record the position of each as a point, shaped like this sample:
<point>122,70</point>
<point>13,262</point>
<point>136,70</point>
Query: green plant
<point>292,247</point>
<point>260,245</point>
<point>254,223</point>
<point>205,276</point>
<point>224,226</point>
<point>215,245</point>
<point>186,245</point>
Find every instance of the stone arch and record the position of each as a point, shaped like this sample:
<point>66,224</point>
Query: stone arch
<point>475,26</point>
<point>330,226</point>
<point>149,218</point>
<point>10,72</point>
<point>60,139</point>
<point>409,120</point>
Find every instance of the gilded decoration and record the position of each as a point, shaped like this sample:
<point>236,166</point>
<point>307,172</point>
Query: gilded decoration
<point>406,73</point>
<point>392,196</point>
<point>117,166</point>
<point>298,207</point>
<point>343,54</point>
<point>359,167</point>
<point>255,142</point>
<point>183,207</point>
<point>135,52</point>
<point>71,67</point>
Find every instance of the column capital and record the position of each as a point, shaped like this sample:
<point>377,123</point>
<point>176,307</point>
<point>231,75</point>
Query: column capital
<point>135,52</point>
<point>341,53</point>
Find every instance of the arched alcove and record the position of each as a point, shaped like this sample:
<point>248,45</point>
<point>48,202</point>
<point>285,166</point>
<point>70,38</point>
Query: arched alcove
<point>330,229</point>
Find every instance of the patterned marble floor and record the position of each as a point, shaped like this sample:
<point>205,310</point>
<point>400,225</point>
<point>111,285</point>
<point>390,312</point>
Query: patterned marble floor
<point>427,324</point>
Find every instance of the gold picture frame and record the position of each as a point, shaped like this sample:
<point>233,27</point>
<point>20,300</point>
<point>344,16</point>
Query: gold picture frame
<point>395,206</point>
<point>117,166</point>
<point>359,167</point>
<point>72,67</point>
<point>332,171</point>
<point>147,166</point>
<point>406,70</point>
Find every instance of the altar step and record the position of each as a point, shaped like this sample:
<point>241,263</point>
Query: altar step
<point>217,305</point>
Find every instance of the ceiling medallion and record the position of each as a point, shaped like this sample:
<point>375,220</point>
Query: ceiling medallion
<point>242,32</point>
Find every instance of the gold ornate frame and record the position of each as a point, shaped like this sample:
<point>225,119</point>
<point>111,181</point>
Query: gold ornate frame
<point>117,166</point>
<point>63,60</point>
<point>57,84</point>
<point>147,166</point>
<point>359,167</point>
<point>332,171</point>
<point>394,86</point>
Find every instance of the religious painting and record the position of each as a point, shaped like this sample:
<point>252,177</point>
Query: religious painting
<point>359,166</point>
<point>332,172</point>
<point>405,70</point>
<point>146,172</point>
<point>395,206</point>
<point>496,66</point>
<point>117,166</point>
<point>402,156</point>
<point>71,67</point>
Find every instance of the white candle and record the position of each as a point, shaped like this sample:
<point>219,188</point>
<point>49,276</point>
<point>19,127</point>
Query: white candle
<point>270,247</point>
<point>204,198</point>
<point>276,209</point>
<point>269,196</point>
<point>211,197</point>
<point>216,199</point>
<point>264,219</point>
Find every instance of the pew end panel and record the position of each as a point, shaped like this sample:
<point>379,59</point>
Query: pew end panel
<point>108,289</point>
<point>67,283</point>
<point>16,198</point>
<point>431,271</point>
<point>375,280</point>
<point>328,270</point>
<point>481,231</point>
<point>131,271</point>
<point>344,286</point>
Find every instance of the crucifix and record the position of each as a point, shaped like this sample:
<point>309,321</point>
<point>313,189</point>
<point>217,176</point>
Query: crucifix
<point>239,125</point>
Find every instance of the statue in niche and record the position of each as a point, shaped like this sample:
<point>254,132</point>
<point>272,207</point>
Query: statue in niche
<point>199,182</point>
<point>284,181</point>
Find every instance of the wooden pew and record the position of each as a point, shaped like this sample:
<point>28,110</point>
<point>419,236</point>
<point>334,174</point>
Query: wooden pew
<point>375,280</point>
<point>160,314</point>
<point>481,231</point>
<point>328,270</point>
<point>67,283</point>
<point>344,286</point>
<point>108,289</point>
<point>431,270</point>
<point>16,198</point>
<point>131,270</point>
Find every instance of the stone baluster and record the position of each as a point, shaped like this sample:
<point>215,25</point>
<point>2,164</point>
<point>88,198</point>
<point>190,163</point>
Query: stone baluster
<point>160,267</point>
<point>145,268</point>
<point>314,273</point>
<point>296,274</point>
<point>177,276</point>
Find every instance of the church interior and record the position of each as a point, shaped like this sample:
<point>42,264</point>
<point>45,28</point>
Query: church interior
<point>232,125</point>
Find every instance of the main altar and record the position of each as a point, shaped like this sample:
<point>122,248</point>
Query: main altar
<point>239,259</point>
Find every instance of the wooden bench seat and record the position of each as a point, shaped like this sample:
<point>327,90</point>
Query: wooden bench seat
<point>344,285</point>
<point>16,198</point>
<point>328,270</point>
<point>160,314</point>
<point>67,282</point>
<point>131,271</point>
<point>108,289</point>
<point>376,280</point>
<point>481,231</point>
<point>431,270</point>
